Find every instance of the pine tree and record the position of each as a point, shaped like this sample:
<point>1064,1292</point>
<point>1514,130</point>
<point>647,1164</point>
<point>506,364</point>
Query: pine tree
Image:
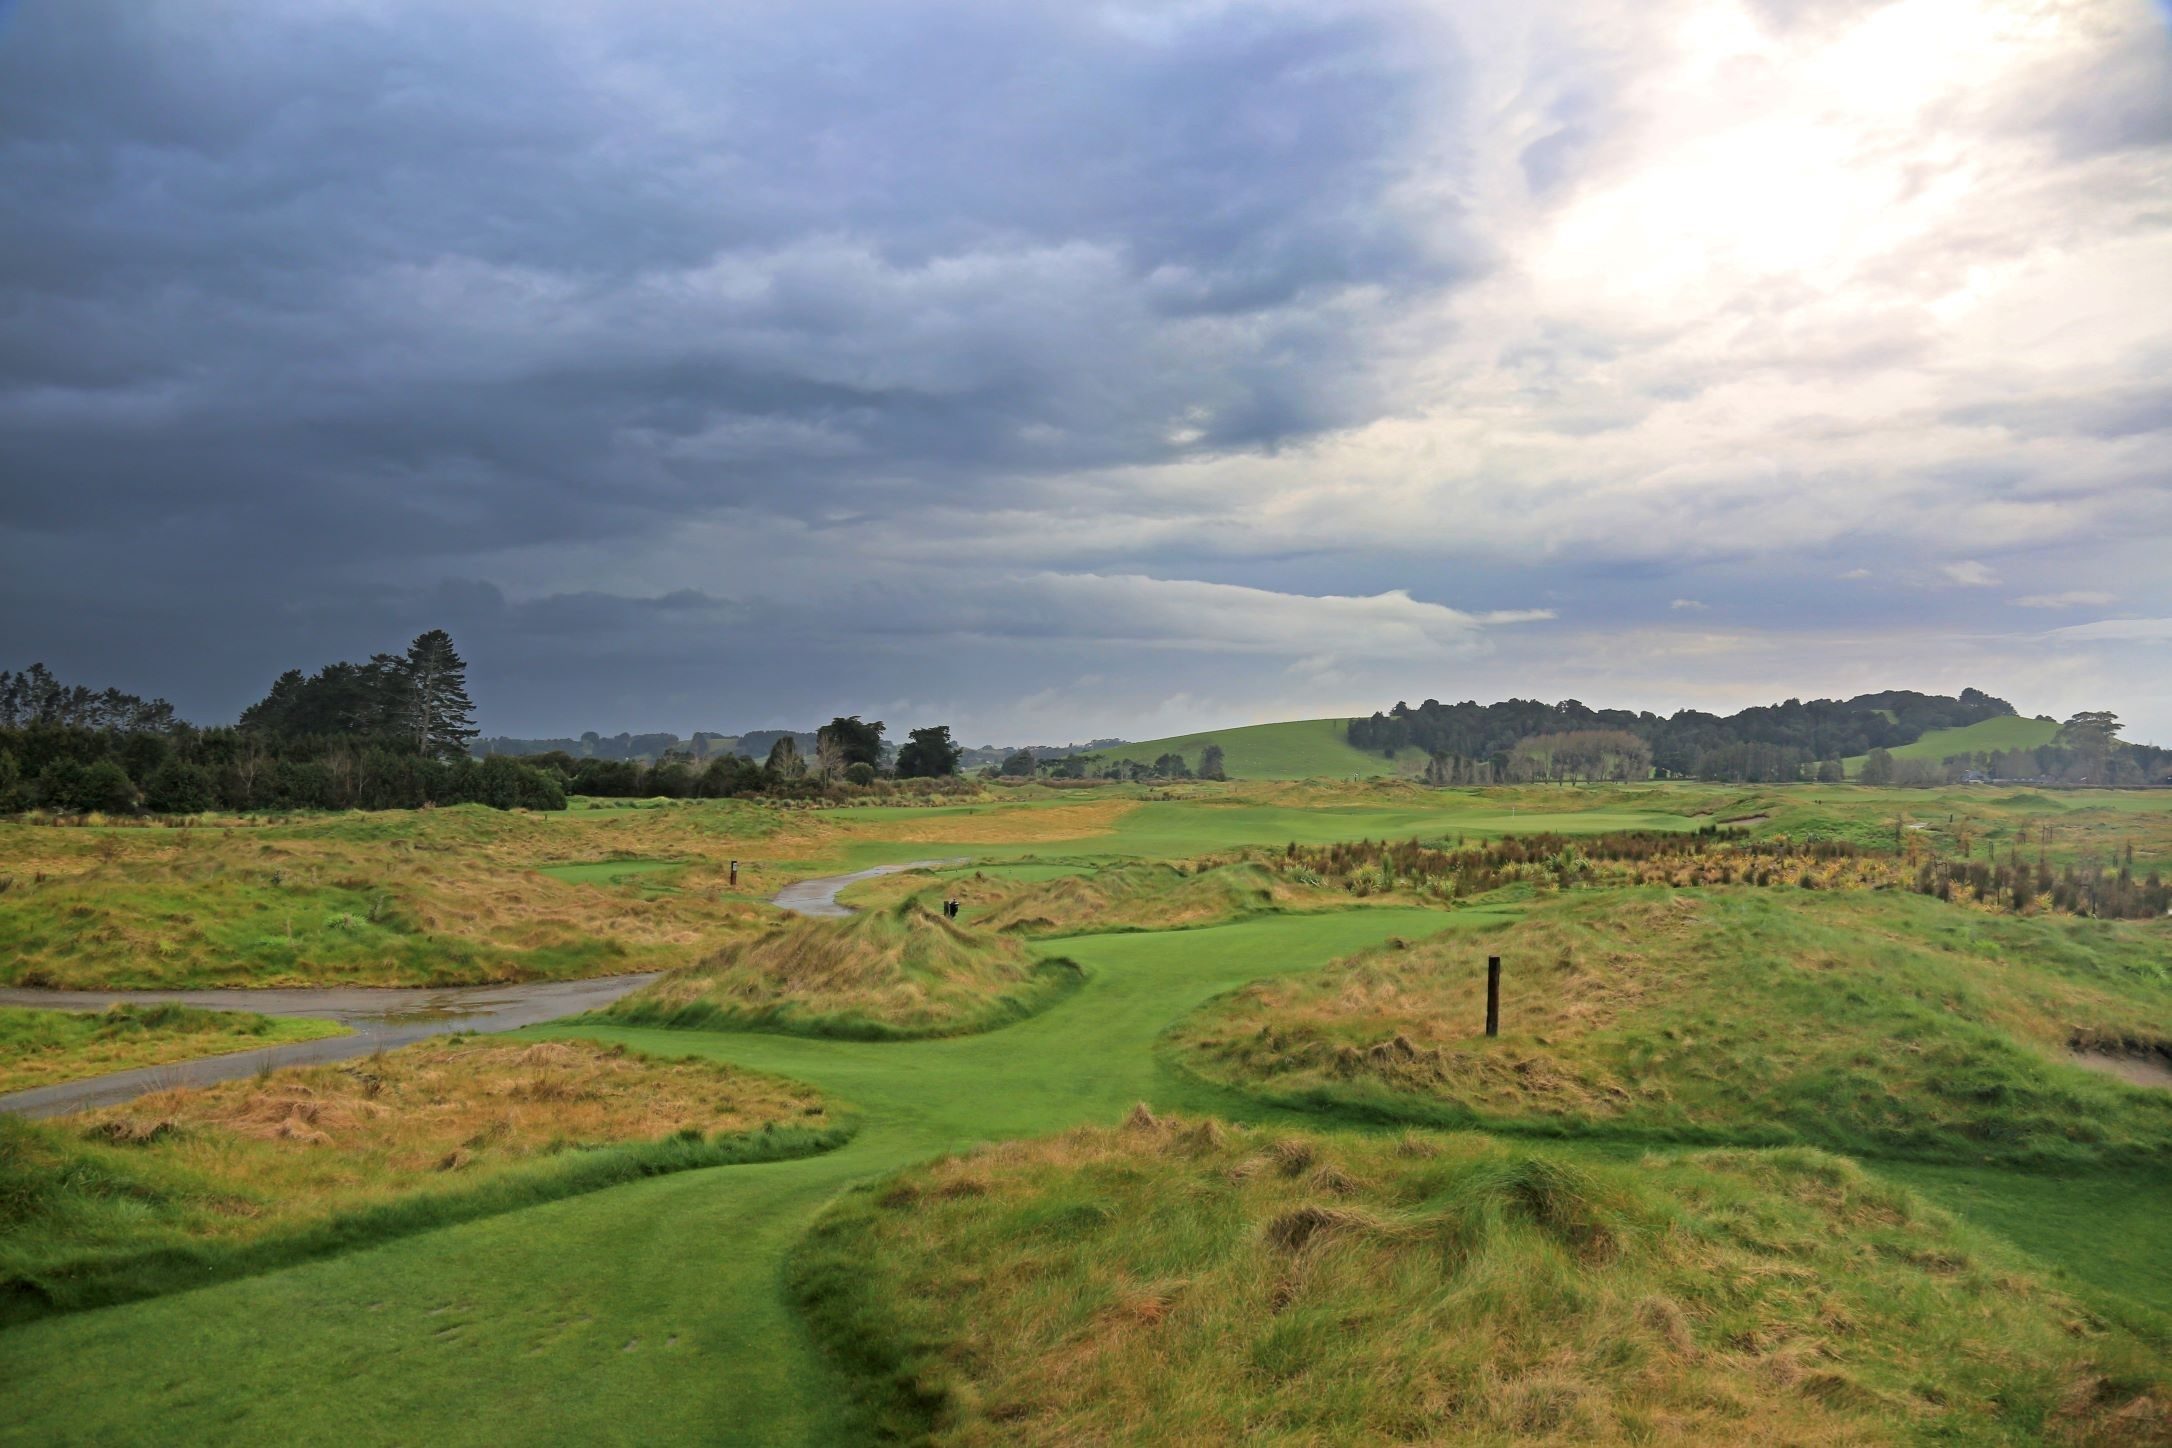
<point>440,715</point>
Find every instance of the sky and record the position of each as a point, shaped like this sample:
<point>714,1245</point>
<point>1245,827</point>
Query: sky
<point>1060,370</point>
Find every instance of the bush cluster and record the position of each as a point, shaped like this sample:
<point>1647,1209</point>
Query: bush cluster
<point>79,771</point>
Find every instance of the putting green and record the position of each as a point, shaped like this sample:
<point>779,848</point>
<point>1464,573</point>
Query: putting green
<point>607,872</point>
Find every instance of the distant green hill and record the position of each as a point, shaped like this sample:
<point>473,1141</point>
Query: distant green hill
<point>2010,731</point>
<point>1296,749</point>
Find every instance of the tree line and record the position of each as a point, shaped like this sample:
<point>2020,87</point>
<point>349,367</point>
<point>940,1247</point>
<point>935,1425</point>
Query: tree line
<point>1089,764</point>
<point>388,733</point>
<point>2087,751</point>
<point>1524,740</point>
<point>849,752</point>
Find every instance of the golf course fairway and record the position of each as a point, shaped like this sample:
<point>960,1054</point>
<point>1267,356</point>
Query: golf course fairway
<point>655,1310</point>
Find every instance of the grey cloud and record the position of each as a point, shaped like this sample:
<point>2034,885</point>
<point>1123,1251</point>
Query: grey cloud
<point>771,358</point>
<point>413,279</point>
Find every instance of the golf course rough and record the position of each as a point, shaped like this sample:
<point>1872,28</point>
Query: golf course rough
<point>663,1308</point>
<point>1178,1280</point>
<point>185,1186</point>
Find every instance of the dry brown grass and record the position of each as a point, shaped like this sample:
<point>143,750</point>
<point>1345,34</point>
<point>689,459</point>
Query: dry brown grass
<point>307,1142</point>
<point>1158,1282</point>
<point>1142,895</point>
<point>428,897</point>
<point>1409,1017</point>
<point>1863,1021</point>
<point>1015,824</point>
<point>902,971</point>
<point>45,1047</point>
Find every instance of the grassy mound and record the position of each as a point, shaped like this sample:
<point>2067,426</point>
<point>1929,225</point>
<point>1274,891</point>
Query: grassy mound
<point>1867,1022</point>
<point>44,1048</point>
<point>1293,749</point>
<point>422,897</point>
<point>1177,1282</point>
<point>1139,895</point>
<point>880,975</point>
<point>179,1187</point>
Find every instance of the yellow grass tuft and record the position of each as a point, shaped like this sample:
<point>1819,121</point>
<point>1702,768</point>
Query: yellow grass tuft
<point>902,971</point>
<point>300,1143</point>
<point>1125,1285</point>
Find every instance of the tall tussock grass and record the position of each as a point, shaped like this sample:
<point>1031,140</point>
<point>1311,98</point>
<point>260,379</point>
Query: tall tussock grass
<point>184,1186</point>
<point>905,971</point>
<point>43,1047</point>
<point>1876,1024</point>
<point>435,897</point>
<point>1125,896</point>
<point>1178,1281</point>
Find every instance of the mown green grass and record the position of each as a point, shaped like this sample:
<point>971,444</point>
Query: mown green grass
<point>44,1048</point>
<point>1294,749</point>
<point>2105,1231</point>
<point>658,1303</point>
<point>608,872</point>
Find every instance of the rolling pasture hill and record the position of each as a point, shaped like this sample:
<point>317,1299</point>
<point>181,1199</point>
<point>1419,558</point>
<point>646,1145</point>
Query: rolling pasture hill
<point>1983,737</point>
<point>1295,749</point>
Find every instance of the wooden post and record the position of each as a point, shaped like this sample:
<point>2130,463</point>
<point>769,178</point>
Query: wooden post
<point>1493,995</point>
<point>735,873</point>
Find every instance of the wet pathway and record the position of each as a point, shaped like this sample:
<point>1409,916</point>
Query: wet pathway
<point>380,1017</point>
<point>819,895</point>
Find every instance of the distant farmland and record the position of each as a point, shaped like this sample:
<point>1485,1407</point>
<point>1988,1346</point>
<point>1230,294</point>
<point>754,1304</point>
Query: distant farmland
<point>2010,732</point>
<point>1295,749</point>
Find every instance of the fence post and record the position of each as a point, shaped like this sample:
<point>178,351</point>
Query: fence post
<point>1493,995</point>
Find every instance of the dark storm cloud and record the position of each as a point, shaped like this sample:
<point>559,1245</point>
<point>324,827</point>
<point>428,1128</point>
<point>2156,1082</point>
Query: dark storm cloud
<point>1107,364</point>
<point>411,281</point>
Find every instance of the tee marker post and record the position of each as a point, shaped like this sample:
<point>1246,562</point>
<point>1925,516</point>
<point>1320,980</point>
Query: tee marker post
<point>1493,995</point>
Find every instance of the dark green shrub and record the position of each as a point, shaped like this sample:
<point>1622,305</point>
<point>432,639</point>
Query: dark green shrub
<point>178,788</point>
